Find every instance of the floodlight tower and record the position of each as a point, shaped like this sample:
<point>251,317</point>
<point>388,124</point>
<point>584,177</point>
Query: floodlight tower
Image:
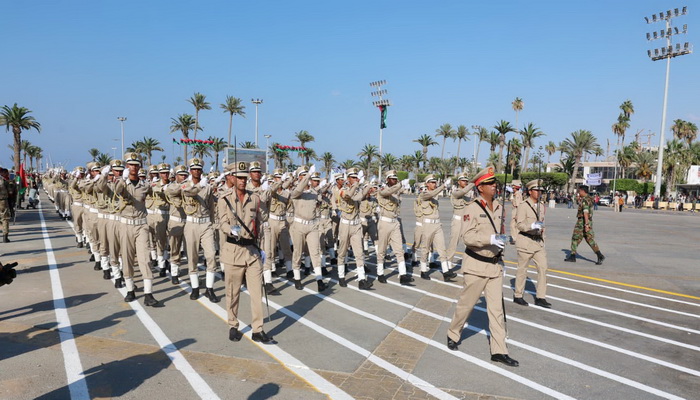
<point>257,102</point>
<point>667,52</point>
<point>382,104</point>
<point>121,122</point>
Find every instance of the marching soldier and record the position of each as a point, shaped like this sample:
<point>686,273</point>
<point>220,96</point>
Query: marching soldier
<point>113,221</point>
<point>483,268</point>
<point>368,217</point>
<point>90,216</point>
<point>134,230</point>
<point>350,230</point>
<point>255,185</point>
<point>433,235</point>
<point>584,226</point>
<point>279,228</point>
<point>529,222</point>
<point>102,204</point>
<point>239,219</point>
<point>158,210</point>
<point>176,221</point>
<point>460,198</point>
<point>77,208</point>
<point>339,180</point>
<point>389,228</point>
<point>7,192</point>
<point>61,195</point>
<point>515,202</point>
<point>199,199</point>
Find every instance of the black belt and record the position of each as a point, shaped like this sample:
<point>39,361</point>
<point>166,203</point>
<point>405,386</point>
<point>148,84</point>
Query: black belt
<point>531,236</point>
<point>490,260</point>
<point>240,241</point>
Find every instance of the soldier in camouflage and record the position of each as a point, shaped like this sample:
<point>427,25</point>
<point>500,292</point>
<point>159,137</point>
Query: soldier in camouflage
<point>584,226</point>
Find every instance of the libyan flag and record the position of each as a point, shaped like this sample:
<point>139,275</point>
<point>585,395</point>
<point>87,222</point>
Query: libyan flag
<point>382,123</point>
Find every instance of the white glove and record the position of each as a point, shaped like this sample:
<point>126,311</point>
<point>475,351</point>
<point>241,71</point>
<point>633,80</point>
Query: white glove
<point>285,176</point>
<point>312,169</point>
<point>220,178</point>
<point>105,169</point>
<point>497,241</point>
<point>265,185</point>
<point>96,177</point>
<point>537,225</point>
<point>263,256</point>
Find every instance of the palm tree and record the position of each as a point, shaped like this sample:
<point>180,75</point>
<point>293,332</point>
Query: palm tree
<point>201,151</point>
<point>684,130</point>
<point>183,123</point>
<point>627,108</point>
<point>388,161</point>
<point>483,135</point>
<point>461,134</point>
<point>529,134</point>
<point>581,142</point>
<point>199,102</point>
<point>503,127</point>
<point>247,145</point>
<point>625,158</point>
<point>368,152</point>
<point>518,105</point>
<point>217,147</point>
<point>348,164</point>
<point>550,148</point>
<point>328,162</point>
<point>515,154</point>
<point>18,119</point>
<point>493,139</point>
<point>94,153</point>
<point>178,160</point>
<point>417,157</point>
<point>303,137</point>
<point>103,158</point>
<point>278,156</point>
<point>136,147</point>
<point>406,162</point>
<point>32,152</point>
<point>425,141</point>
<point>568,166</point>
<point>619,128</point>
<point>148,146</point>
<point>646,165</point>
<point>446,131</point>
<point>232,106</point>
<point>24,146</point>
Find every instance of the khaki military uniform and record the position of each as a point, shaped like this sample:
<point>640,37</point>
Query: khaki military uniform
<point>90,216</point>
<point>158,211</point>
<point>305,230</point>
<point>6,193</point>
<point>530,246</point>
<point>176,225</point>
<point>481,276</point>
<point>459,199</point>
<point>389,227</point>
<point>515,201</point>
<point>116,205</point>
<point>198,201</point>
<point>279,228</point>
<point>77,208</point>
<point>242,259</point>
<point>134,230</point>
<point>102,203</point>
<point>368,216</point>
<point>350,229</point>
<point>433,235</point>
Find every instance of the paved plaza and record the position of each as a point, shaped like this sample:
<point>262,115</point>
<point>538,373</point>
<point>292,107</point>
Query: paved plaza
<point>627,329</point>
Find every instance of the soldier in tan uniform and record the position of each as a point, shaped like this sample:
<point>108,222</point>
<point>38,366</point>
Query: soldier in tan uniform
<point>368,216</point>
<point>460,197</point>
<point>102,204</point>
<point>339,180</point>
<point>199,199</point>
<point>418,231</point>
<point>77,207</point>
<point>389,228</point>
<point>90,215</point>
<point>483,268</point>
<point>134,230</point>
<point>350,230</point>
<point>241,253</point>
<point>113,222</point>
<point>158,211</point>
<point>433,235</point>
<point>7,191</point>
<point>515,202</point>
<point>279,228</point>
<point>530,245</point>
<point>176,221</point>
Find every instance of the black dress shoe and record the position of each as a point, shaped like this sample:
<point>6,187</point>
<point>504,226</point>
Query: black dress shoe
<point>209,294</point>
<point>505,359</point>
<point>106,274</point>
<point>119,283</point>
<point>98,266</point>
<point>271,290</point>
<point>452,345</point>
<point>175,280</point>
<point>434,265</point>
<point>342,283</point>
<point>448,276</point>
<point>234,335</point>
<point>150,301</point>
<point>425,275</point>
<point>307,271</point>
<point>321,285</point>
<point>163,273</point>
<point>521,301</point>
<point>601,257</point>
<point>92,257</point>
<point>364,284</point>
<point>325,271</point>
<point>405,279</point>
<point>195,294</point>
<point>290,275</point>
<point>542,303</point>
<point>223,276</point>
<point>381,279</point>
<point>263,338</point>
<point>334,261</point>
<point>130,296</point>
<point>80,245</point>
<point>298,285</point>
<point>571,257</point>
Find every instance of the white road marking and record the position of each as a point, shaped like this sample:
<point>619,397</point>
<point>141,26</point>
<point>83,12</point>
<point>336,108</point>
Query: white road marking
<point>77,386</point>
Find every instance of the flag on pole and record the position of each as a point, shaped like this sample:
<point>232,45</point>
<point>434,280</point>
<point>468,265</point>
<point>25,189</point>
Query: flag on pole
<point>383,110</point>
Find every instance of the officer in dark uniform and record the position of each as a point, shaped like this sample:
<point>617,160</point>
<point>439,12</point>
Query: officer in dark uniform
<point>584,226</point>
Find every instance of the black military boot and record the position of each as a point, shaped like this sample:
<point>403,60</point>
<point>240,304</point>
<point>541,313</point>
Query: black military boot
<point>195,294</point>
<point>425,275</point>
<point>321,285</point>
<point>163,272</point>
<point>119,283</point>
<point>270,290</point>
<point>342,283</point>
<point>106,275</point>
<point>92,257</point>
<point>209,294</point>
<point>290,275</point>
<point>80,245</point>
<point>571,257</point>
<point>381,279</point>
<point>98,266</point>
<point>364,284</point>
<point>405,279</point>
<point>601,257</point>
<point>298,285</point>
<point>520,300</point>
<point>448,276</point>
<point>175,280</point>
<point>150,301</point>
<point>130,296</point>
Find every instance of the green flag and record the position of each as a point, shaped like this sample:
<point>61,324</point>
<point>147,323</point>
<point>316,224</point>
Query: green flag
<point>383,110</point>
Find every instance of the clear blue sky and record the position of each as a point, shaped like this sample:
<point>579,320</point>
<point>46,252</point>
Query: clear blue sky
<point>78,65</point>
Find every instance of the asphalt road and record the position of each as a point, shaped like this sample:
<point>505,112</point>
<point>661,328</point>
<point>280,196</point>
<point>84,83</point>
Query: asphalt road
<point>627,329</point>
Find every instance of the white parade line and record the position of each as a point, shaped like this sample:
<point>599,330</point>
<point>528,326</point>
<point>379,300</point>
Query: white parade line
<point>287,360</point>
<point>609,311</point>
<point>533,349</point>
<point>77,386</point>
<point>199,385</point>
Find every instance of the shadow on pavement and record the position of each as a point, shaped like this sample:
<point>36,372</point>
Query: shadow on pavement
<point>48,305</point>
<point>265,391</point>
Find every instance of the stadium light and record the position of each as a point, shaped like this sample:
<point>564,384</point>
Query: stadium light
<point>382,104</point>
<point>257,102</point>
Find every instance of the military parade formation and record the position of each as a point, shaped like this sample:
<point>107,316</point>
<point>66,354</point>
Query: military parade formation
<point>247,227</point>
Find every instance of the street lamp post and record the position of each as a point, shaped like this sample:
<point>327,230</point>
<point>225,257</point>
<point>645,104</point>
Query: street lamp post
<point>267,153</point>
<point>257,102</point>
<point>382,104</point>
<point>476,129</point>
<point>667,52</point>
<point>121,122</point>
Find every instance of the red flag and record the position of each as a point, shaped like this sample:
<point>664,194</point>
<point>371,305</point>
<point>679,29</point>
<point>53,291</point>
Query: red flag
<point>22,176</point>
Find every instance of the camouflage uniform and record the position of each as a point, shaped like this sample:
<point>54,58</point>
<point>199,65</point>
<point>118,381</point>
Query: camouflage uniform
<point>585,206</point>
